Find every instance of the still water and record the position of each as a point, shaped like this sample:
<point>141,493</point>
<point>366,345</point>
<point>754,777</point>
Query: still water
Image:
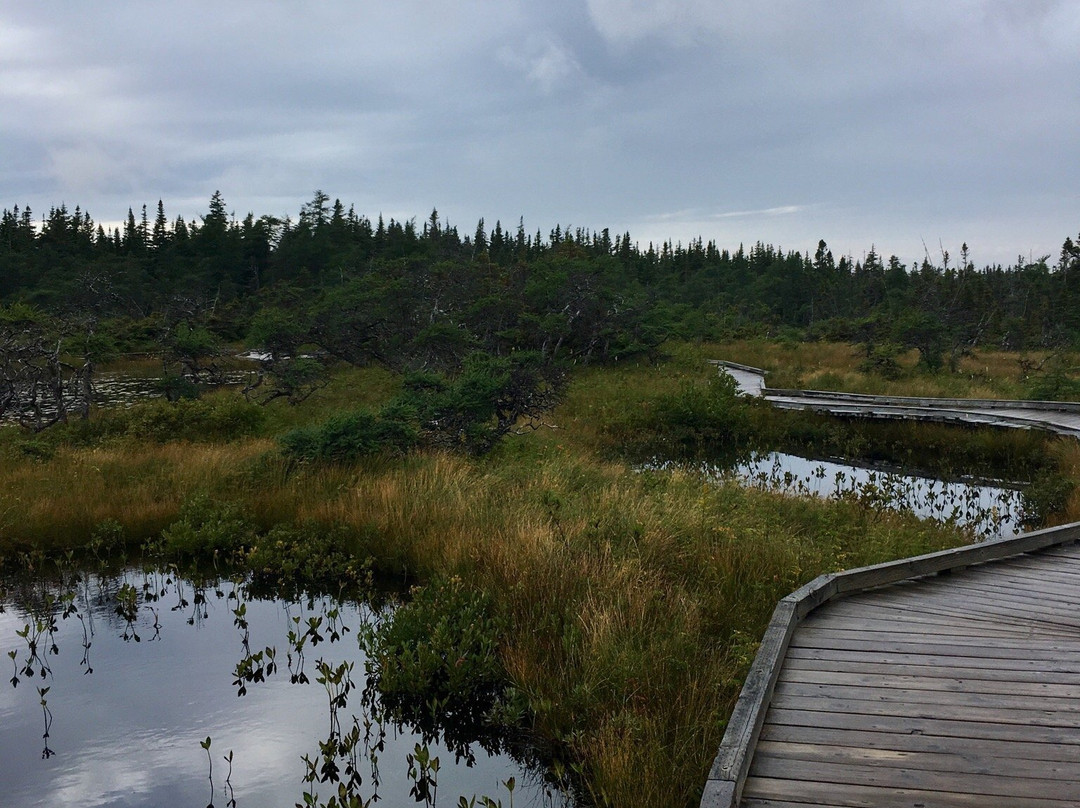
<point>989,508</point>
<point>131,698</point>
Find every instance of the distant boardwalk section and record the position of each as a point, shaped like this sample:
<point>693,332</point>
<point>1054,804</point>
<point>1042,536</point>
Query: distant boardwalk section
<point>1060,417</point>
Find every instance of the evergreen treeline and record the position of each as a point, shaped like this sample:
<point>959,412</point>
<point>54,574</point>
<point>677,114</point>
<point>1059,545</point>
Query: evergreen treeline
<point>425,295</point>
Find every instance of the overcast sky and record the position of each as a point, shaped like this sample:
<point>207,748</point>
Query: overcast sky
<point>896,124</point>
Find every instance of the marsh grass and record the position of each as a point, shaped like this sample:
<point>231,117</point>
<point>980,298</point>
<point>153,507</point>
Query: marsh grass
<point>980,373</point>
<point>631,595</point>
<point>55,504</point>
<point>634,600</point>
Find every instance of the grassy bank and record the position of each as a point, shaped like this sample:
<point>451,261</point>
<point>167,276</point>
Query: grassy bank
<point>842,367</point>
<point>633,600</point>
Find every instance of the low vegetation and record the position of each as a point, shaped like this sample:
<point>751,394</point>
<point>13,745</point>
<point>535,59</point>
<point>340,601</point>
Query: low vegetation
<point>608,611</point>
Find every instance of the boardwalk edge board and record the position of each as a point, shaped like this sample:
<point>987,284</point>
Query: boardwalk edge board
<point>917,401</point>
<point>723,789</point>
<point>723,363</point>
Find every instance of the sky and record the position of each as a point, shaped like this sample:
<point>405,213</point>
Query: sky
<point>912,126</point>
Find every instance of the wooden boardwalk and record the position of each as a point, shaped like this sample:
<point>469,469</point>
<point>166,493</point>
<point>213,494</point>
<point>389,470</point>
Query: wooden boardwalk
<point>951,679</point>
<point>959,690</point>
<point>1062,418</point>
<point>940,681</point>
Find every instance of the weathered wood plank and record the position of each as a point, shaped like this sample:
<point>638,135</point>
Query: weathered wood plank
<point>1004,685</point>
<point>901,622</point>
<point>940,660</point>
<point>930,635</point>
<point>1034,704</point>
<point>975,594</point>
<point>1007,749</point>
<point>854,796</point>
<point>945,727</point>
<point>760,803</point>
<point>1056,570</point>
<point>887,777</point>
<point>956,607</point>
<point>1067,552</point>
<point>1045,588</point>
<point>996,597</point>
<point>923,760</point>
<point>1032,577</point>
<point>936,645</point>
<point>914,614</point>
<point>873,666</point>
<point>940,712</point>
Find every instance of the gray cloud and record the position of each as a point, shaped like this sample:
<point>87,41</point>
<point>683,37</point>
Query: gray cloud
<point>865,122</point>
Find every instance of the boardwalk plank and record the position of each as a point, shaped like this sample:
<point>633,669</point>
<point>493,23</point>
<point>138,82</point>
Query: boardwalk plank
<point>947,645</point>
<point>912,696</point>
<point>1038,579</point>
<point>914,614</point>
<point>862,796</point>
<point>920,760</point>
<point>1047,571</point>
<point>995,596</point>
<point>1056,594</point>
<point>965,602</point>
<point>906,621</point>
<point>886,777</point>
<point>957,608</point>
<point>1006,685</point>
<point>950,728</point>
<point>1000,716</point>
<point>931,672</point>
<point>941,661</point>
<point>1006,750</point>
<point>759,803</point>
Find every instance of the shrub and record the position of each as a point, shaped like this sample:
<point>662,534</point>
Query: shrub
<point>206,527</point>
<point>699,419</point>
<point>1048,494</point>
<point>470,412</point>
<point>218,418</point>
<point>309,556</point>
<point>434,664</point>
<point>1053,386</point>
<point>347,437</point>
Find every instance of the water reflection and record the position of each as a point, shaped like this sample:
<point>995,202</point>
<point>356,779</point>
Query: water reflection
<point>990,509</point>
<point>138,670</point>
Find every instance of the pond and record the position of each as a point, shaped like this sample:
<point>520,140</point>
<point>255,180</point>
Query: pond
<point>990,508</point>
<point>143,689</point>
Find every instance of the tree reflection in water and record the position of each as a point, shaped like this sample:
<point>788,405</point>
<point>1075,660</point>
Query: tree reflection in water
<point>163,646</point>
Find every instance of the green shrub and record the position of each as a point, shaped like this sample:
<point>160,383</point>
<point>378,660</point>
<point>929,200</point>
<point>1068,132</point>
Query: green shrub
<point>434,664</point>
<point>308,557</point>
<point>206,527</point>
<point>699,419</point>
<point>470,412</point>
<point>217,418</point>
<point>1046,495</point>
<point>347,437</point>
<point>1053,386</point>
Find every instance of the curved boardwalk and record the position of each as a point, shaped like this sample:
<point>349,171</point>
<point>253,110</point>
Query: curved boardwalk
<point>1062,418</point>
<point>956,691</point>
<point>951,679</point>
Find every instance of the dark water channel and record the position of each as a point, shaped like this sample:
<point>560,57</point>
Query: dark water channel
<point>111,705</point>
